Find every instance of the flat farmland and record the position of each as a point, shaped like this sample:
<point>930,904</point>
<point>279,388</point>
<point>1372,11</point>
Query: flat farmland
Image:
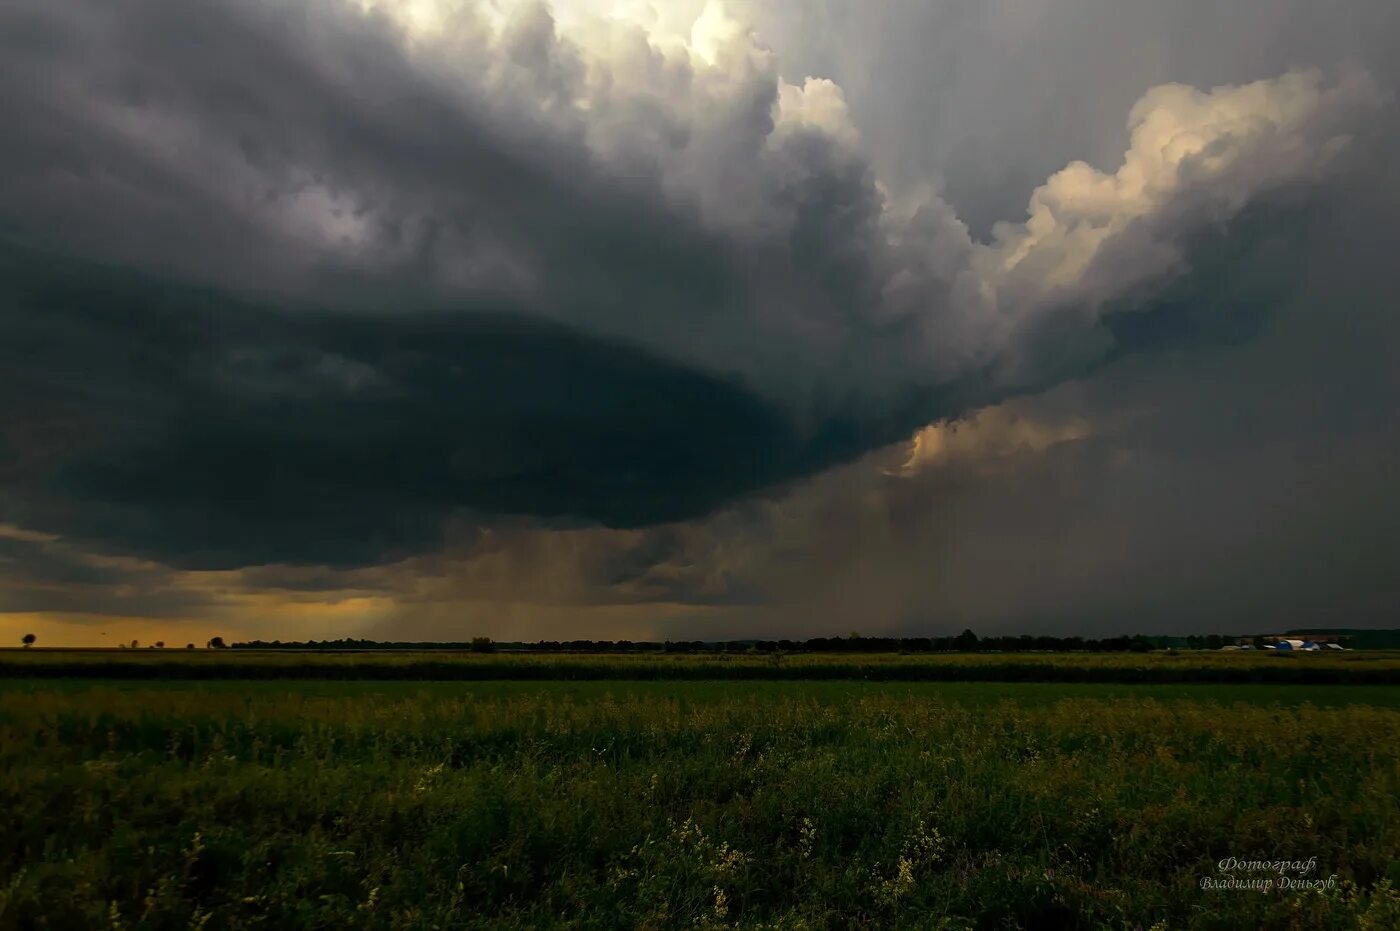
<point>753,804</point>
<point>1353,667</point>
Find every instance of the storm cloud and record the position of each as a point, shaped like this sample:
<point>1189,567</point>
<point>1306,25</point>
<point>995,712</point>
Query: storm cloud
<point>316,283</point>
<point>1233,472</point>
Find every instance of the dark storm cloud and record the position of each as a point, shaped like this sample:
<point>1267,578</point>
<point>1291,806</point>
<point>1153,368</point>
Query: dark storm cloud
<point>48,575</point>
<point>280,286</point>
<point>1232,472</point>
<point>179,135</point>
<point>1237,477</point>
<point>222,434</point>
<point>214,430</point>
<point>47,565</point>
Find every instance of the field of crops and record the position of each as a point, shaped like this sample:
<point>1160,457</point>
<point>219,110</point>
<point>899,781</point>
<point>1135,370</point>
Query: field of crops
<point>316,804</point>
<point>1375,667</point>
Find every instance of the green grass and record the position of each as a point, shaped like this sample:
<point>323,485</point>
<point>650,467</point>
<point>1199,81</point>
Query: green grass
<point>681,804</point>
<point>826,690</point>
<point>1377,668</point>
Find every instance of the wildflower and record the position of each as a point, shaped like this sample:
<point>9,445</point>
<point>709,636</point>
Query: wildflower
<point>721,904</point>
<point>807,837</point>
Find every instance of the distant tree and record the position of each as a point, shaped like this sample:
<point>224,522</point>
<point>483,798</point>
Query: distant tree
<point>189,646</point>
<point>966,640</point>
<point>216,643</point>
<point>160,644</point>
<point>483,645</point>
<point>135,644</point>
<point>28,640</point>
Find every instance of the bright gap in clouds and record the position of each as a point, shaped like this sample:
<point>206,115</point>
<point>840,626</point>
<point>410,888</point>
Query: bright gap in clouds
<point>697,25</point>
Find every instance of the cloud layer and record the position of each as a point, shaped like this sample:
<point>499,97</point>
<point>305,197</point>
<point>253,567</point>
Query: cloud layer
<point>305,283</point>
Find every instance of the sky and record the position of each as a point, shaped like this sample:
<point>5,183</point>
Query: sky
<point>436,319</point>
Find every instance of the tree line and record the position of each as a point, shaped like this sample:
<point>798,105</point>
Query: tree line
<point>965,642</point>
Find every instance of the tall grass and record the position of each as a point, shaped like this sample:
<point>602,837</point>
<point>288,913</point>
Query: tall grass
<point>683,806</point>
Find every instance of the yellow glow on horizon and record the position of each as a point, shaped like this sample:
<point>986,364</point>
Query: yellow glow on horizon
<point>370,618</point>
<point>54,629</point>
<point>251,616</point>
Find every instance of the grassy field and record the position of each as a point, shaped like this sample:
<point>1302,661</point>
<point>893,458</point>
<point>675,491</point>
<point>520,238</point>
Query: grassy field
<point>309,804</point>
<point>1378,667</point>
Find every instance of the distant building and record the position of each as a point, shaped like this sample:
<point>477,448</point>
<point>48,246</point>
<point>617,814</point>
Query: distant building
<point>1295,640</point>
<point>1294,643</point>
